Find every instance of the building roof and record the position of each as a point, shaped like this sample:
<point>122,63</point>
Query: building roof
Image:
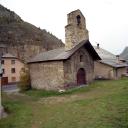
<point>124,54</point>
<point>114,63</point>
<point>61,54</point>
<point>108,58</point>
<point>3,46</point>
<point>8,55</point>
<point>104,54</point>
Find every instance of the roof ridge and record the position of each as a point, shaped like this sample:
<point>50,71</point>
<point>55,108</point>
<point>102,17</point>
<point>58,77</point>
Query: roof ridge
<point>104,50</point>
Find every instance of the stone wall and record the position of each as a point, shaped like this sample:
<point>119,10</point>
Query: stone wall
<point>103,71</point>
<point>121,71</point>
<point>47,75</point>
<point>108,72</point>
<point>73,64</point>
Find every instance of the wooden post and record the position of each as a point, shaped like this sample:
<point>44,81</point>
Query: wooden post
<point>1,107</point>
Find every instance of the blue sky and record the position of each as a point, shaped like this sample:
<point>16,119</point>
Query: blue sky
<point>106,20</point>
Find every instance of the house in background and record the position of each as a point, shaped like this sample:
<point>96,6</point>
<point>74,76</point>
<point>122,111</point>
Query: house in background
<point>110,66</point>
<point>69,66</point>
<point>124,55</point>
<point>11,67</point>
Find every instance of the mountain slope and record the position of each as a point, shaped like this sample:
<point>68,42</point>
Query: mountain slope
<point>23,39</point>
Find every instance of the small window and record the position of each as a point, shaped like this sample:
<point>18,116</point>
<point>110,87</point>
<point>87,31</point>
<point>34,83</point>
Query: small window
<point>78,19</point>
<point>13,70</point>
<point>3,70</point>
<point>2,61</point>
<point>81,58</point>
<point>13,79</point>
<point>12,61</point>
<point>127,70</point>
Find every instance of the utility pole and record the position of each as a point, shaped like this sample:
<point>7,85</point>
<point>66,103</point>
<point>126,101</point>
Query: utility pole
<point>1,107</point>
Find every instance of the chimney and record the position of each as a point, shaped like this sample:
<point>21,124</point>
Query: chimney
<point>98,46</point>
<point>117,59</point>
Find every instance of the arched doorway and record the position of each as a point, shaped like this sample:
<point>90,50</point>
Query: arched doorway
<point>81,77</point>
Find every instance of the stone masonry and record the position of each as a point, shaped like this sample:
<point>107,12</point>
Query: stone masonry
<point>76,30</point>
<point>47,75</point>
<point>72,65</point>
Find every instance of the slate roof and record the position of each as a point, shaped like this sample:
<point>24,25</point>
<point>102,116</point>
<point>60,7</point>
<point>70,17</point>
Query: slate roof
<point>8,55</point>
<point>104,54</point>
<point>61,54</point>
<point>109,58</point>
<point>124,54</point>
<point>3,46</point>
<point>114,63</point>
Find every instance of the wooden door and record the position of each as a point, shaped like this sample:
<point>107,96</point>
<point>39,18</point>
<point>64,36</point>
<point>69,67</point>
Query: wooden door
<point>4,80</point>
<point>81,77</point>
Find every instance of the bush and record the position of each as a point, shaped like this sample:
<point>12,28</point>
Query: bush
<point>24,83</point>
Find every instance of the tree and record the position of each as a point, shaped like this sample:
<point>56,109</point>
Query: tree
<point>24,83</point>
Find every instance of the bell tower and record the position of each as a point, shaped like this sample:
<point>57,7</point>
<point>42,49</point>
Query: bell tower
<point>75,30</point>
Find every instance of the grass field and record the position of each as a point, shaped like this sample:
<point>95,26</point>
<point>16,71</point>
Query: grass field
<point>103,104</point>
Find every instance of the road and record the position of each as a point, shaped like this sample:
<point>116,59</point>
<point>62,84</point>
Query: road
<point>10,88</point>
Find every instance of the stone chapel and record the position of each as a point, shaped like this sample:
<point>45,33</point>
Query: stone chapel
<point>66,67</point>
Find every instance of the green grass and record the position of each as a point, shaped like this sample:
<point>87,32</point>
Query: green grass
<point>43,93</point>
<point>103,104</point>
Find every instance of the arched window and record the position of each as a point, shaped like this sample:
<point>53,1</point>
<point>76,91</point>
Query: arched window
<point>81,58</point>
<point>78,19</point>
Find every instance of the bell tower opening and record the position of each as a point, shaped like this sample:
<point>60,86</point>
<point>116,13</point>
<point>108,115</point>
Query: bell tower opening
<point>78,19</point>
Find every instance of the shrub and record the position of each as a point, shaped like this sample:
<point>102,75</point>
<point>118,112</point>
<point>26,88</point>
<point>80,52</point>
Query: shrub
<point>24,83</point>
